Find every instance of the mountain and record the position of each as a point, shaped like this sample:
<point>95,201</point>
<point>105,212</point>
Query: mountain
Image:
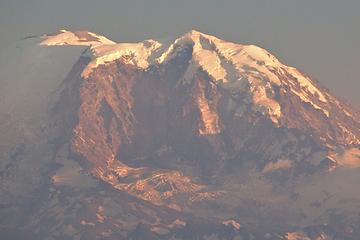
<point>185,138</point>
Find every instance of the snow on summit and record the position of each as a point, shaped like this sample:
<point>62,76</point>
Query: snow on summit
<point>78,38</point>
<point>237,67</point>
<point>138,54</point>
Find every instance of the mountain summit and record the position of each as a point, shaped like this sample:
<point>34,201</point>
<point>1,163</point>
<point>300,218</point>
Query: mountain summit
<point>185,138</point>
<point>240,69</point>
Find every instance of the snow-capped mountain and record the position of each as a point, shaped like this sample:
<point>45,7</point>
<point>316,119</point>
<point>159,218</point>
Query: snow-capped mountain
<point>239,69</point>
<point>172,139</point>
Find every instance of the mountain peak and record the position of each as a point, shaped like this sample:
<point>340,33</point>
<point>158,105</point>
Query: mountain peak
<point>195,34</point>
<point>75,38</point>
<point>239,68</point>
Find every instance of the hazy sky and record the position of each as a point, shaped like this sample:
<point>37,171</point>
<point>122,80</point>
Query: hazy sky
<point>320,37</point>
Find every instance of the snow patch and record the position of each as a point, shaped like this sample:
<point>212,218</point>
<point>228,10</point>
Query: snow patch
<point>306,83</point>
<point>304,98</point>
<point>203,58</point>
<point>80,38</point>
<point>138,54</point>
<point>265,104</point>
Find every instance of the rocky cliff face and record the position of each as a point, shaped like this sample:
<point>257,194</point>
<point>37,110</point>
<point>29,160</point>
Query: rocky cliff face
<point>152,138</point>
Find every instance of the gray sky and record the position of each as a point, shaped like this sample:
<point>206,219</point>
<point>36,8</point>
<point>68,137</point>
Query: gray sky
<point>320,37</point>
